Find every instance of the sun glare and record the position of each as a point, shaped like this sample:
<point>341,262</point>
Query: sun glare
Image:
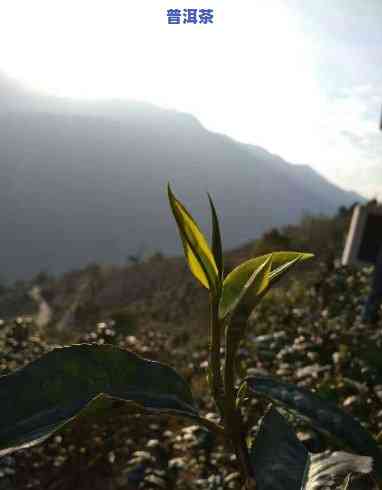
<point>252,74</point>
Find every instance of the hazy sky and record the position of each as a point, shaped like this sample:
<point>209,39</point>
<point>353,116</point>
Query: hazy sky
<point>302,78</point>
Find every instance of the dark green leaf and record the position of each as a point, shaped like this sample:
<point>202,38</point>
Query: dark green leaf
<point>38,399</point>
<point>217,248</point>
<point>196,249</point>
<point>324,415</point>
<point>280,461</point>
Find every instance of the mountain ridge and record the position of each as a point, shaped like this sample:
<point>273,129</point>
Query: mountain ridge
<point>85,182</point>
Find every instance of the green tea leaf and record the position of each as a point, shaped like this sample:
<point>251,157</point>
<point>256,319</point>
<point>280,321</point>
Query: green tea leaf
<point>255,285</point>
<point>237,280</point>
<point>324,415</point>
<point>217,248</point>
<point>196,249</point>
<point>280,461</point>
<point>40,398</point>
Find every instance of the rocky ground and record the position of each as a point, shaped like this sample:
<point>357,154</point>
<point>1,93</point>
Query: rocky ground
<point>308,333</point>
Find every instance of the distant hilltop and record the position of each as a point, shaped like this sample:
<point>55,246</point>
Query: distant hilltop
<point>84,182</point>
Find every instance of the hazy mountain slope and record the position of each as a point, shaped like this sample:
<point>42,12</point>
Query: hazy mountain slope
<point>305,176</point>
<point>82,182</point>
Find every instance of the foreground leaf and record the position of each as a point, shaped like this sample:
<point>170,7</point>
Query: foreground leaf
<point>237,282</point>
<point>196,249</point>
<point>280,461</point>
<point>324,415</point>
<point>40,398</point>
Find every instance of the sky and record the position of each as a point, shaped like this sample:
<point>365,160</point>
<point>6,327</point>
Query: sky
<point>301,78</point>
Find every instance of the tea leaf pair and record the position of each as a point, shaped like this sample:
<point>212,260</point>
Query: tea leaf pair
<point>250,280</point>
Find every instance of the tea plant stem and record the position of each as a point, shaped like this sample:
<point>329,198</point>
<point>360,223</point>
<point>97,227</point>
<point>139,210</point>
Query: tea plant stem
<point>215,375</point>
<point>233,420</point>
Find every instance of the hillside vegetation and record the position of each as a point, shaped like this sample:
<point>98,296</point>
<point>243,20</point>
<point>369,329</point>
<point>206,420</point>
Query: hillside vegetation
<point>307,331</point>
